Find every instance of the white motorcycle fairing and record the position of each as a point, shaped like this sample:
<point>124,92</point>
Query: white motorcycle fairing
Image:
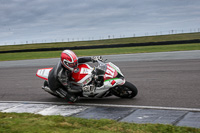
<point>104,80</point>
<point>83,75</point>
<point>44,73</point>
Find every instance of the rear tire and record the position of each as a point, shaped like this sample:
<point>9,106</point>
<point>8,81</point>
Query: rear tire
<point>127,90</point>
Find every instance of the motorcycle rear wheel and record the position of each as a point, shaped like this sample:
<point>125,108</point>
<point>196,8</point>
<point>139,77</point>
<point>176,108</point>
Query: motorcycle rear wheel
<point>127,90</point>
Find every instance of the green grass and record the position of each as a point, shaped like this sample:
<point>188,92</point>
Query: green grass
<point>32,123</point>
<point>174,37</point>
<point>104,51</point>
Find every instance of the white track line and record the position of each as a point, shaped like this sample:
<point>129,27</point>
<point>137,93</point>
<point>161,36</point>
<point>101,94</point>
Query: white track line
<point>7,110</point>
<point>106,105</point>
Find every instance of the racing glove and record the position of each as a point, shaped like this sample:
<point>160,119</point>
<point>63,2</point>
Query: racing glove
<point>95,58</point>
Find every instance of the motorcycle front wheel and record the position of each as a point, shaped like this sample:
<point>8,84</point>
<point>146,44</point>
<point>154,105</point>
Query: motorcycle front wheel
<point>127,90</point>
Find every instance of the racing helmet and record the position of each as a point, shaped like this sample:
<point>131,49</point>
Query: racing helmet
<point>69,60</point>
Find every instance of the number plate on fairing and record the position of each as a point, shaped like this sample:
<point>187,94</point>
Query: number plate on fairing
<point>85,71</point>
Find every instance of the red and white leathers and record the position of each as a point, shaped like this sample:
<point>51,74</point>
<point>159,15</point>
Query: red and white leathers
<point>59,76</point>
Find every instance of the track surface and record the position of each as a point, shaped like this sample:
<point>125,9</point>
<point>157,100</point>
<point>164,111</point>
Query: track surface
<point>169,79</point>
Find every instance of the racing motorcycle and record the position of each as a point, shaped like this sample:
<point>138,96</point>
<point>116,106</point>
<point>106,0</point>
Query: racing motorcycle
<point>99,81</point>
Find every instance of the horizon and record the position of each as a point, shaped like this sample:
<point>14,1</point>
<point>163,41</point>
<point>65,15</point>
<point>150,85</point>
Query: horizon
<point>44,21</point>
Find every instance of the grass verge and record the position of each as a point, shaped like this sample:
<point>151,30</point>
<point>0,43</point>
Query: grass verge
<point>29,123</point>
<point>104,51</point>
<point>161,38</point>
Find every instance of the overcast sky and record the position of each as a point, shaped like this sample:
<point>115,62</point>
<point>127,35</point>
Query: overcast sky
<point>23,21</point>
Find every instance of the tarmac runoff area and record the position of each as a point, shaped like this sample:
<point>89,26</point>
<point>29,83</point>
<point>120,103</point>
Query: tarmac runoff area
<point>189,117</point>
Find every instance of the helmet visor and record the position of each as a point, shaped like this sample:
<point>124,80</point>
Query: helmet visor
<point>72,65</point>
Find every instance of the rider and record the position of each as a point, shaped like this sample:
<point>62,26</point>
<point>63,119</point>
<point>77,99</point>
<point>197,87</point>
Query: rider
<point>58,79</point>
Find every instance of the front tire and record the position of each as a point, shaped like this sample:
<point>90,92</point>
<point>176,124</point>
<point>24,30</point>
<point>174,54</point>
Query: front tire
<point>127,90</point>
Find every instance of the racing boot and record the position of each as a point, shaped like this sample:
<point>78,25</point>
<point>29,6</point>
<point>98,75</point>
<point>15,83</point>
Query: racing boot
<point>71,98</point>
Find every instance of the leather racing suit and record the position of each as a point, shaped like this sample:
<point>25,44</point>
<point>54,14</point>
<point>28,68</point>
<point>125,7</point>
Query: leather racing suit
<point>58,81</point>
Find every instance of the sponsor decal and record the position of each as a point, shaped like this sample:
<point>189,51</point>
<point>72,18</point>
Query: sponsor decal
<point>84,71</point>
<point>113,82</point>
<point>76,70</point>
<point>87,81</point>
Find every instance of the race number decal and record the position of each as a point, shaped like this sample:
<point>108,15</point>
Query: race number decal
<point>110,73</point>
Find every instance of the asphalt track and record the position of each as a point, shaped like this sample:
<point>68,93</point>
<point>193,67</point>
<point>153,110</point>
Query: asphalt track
<point>167,79</point>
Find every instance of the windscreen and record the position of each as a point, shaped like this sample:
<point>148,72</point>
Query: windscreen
<point>101,68</point>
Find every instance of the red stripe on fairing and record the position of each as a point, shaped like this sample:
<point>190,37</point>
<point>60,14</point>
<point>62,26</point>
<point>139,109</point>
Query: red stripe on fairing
<point>46,68</point>
<point>77,76</point>
<point>113,82</point>
<point>41,76</point>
